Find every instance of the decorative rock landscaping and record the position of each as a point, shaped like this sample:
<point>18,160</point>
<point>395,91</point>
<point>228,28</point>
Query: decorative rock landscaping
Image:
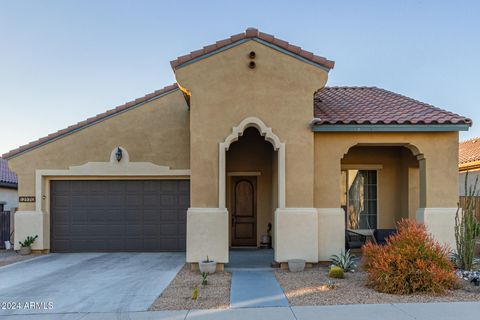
<point>314,287</point>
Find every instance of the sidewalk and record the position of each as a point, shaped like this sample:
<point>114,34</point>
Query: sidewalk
<point>420,311</point>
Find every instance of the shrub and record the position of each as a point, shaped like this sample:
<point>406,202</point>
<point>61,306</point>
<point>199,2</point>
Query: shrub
<point>410,262</point>
<point>336,272</point>
<point>344,260</point>
<point>28,241</point>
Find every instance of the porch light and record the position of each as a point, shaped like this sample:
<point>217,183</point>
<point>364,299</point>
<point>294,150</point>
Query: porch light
<point>118,154</point>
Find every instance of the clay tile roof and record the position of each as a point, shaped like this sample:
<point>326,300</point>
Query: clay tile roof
<point>91,120</point>
<point>469,151</point>
<point>249,34</point>
<point>371,105</point>
<point>6,175</point>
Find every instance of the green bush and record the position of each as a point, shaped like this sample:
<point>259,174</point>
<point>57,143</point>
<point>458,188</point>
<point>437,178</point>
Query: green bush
<point>336,272</point>
<point>28,241</point>
<point>344,260</point>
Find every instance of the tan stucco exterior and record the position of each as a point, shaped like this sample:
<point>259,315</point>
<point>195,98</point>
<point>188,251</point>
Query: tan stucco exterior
<point>210,140</point>
<point>224,91</point>
<point>155,132</point>
<point>441,189</point>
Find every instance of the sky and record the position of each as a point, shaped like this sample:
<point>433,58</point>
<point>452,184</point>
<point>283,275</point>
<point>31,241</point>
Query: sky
<point>64,61</point>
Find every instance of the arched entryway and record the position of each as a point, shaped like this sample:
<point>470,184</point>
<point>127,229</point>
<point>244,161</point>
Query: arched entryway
<point>251,200</point>
<point>380,185</point>
<point>251,188</point>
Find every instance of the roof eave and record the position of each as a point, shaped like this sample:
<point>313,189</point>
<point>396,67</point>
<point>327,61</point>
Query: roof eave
<point>105,116</point>
<point>389,127</point>
<point>470,165</point>
<point>327,66</point>
<point>9,185</point>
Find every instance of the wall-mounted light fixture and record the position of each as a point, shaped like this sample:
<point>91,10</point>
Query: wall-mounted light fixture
<point>118,154</point>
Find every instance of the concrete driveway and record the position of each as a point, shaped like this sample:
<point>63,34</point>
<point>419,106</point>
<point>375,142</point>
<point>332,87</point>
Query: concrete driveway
<point>88,282</point>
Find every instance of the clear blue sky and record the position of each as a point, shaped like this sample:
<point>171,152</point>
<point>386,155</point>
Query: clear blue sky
<point>64,61</point>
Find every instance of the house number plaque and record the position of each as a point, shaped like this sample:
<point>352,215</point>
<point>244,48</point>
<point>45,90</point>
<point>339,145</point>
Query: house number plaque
<point>26,199</point>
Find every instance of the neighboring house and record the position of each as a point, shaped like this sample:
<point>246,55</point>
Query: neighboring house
<point>249,135</point>
<point>469,160</point>
<point>8,187</point>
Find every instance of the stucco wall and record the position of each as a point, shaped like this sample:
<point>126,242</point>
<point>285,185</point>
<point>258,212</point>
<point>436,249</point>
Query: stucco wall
<point>156,132</point>
<point>224,91</point>
<point>10,197</point>
<point>440,150</point>
<point>253,154</point>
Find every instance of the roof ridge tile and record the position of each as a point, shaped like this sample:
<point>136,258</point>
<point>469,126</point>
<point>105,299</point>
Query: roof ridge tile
<point>250,33</point>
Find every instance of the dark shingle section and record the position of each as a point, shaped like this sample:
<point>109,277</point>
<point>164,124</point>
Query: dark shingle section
<point>7,176</point>
<point>371,105</point>
<point>469,151</point>
<point>248,34</point>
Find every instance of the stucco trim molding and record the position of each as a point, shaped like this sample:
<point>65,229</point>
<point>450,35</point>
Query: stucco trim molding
<point>244,173</point>
<point>234,136</point>
<point>362,166</point>
<point>112,168</point>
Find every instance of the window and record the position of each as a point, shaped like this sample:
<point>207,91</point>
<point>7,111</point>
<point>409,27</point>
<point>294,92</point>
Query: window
<point>359,198</point>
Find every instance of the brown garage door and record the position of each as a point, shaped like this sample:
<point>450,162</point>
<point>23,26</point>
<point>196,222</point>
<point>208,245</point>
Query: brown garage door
<point>119,215</point>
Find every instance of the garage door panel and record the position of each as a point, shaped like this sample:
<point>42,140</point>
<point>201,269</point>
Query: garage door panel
<point>168,200</point>
<point>133,199</point>
<point>151,200</point>
<point>169,244</point>
<point>62,230</point>
<point>170,215</point>
<point>182,230</point>
<point>119,215</point>
<point>169,188</point>
<point>133,230</point>
<point>134,245</point>
<point>133,216</point>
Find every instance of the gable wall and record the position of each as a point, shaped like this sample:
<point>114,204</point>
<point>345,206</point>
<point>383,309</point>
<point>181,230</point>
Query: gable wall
<point>156,132</point>
<point>224,91</point>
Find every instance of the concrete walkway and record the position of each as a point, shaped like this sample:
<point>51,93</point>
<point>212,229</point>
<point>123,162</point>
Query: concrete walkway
<point>407,311</point>
<point>251,289</point>
<point>253,281</point>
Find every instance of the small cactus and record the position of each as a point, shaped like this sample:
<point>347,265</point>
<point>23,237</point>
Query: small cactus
<point>204,278</point>
<point>195,293</point>
<point>336,272</point>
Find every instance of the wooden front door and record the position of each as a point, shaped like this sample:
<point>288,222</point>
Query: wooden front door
<point>244,211</point>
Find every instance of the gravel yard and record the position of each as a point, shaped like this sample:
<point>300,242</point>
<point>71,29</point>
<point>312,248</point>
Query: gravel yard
<point>178,295</point>
<point>9,257</point>
<point>310,288</point>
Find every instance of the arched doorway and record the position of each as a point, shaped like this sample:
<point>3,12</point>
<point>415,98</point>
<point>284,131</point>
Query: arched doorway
<point>251,200</point>
<point>380,185</point>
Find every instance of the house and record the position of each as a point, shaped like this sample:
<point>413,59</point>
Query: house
<point>8,187</point>
<point>250,135</point>
<point>469,160</point>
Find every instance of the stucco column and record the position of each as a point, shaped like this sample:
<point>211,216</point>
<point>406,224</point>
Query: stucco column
<point>330,215</point>
<point>32,223</point>
<point>439,193</point>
